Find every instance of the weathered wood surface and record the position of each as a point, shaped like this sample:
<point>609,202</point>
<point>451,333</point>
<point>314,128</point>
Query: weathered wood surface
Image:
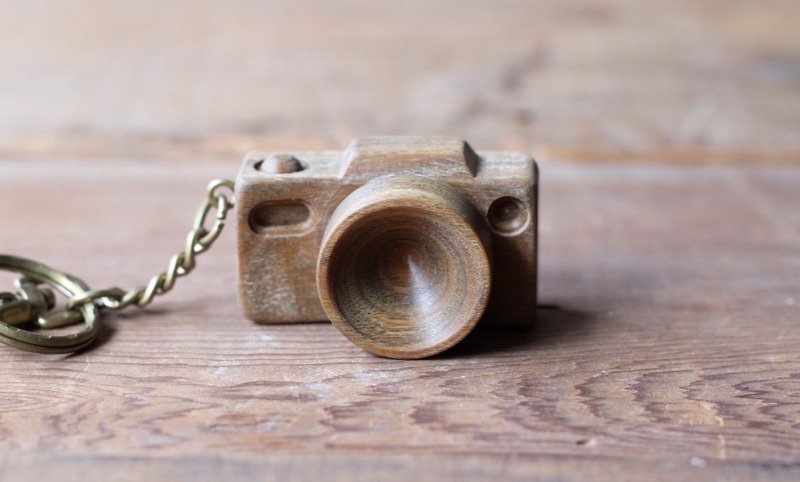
<point>312,226</point>
<point>667,344</point>
<point>683,80</point>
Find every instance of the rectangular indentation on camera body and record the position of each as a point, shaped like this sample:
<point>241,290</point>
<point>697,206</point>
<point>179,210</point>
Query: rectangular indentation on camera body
<point>277,263</point>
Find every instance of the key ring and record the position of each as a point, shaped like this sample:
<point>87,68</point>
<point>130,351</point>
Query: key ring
<point>33,302</point>
<point>32,305</point>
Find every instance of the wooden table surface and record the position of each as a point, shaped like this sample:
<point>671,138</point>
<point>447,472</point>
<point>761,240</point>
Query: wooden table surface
<point>668,340</point>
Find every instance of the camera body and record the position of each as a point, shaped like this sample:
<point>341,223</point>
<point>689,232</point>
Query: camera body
<point>303,220</point>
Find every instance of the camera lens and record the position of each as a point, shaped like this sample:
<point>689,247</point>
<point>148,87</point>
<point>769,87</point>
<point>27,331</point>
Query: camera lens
<point>404,268</point>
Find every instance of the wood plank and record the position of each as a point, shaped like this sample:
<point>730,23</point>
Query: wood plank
<point>666,347</point>
<point>345,467</point>
<point>682,80</point>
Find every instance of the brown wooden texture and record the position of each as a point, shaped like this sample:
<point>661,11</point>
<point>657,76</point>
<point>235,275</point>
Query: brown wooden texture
<point>405,268</point>
<point>667,344</point>
<point>683,80</point>
<point>280,279</point>
<point>667,341</point>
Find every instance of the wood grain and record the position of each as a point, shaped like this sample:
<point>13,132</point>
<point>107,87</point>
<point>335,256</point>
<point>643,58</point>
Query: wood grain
<point>689,81</point>
<point>288,290</point>
<point>405,267</point>
<point>667,340</point>
<point>666,344</point>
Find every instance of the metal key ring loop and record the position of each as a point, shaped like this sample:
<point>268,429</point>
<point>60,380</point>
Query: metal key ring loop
<point>68,285</point>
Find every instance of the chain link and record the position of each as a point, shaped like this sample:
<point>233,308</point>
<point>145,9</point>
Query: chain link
<point>199,239</point>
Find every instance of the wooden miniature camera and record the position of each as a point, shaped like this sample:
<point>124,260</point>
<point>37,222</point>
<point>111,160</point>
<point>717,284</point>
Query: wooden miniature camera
<point>404,243</point>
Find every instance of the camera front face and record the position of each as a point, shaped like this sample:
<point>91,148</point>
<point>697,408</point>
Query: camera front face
<point>403,243</point>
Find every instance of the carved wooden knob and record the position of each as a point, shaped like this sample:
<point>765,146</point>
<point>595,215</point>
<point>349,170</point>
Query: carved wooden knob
<point>404,270</point>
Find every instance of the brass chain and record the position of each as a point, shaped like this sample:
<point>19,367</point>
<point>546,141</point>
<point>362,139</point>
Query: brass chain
<point>32,304</point>
<point>199,240</point>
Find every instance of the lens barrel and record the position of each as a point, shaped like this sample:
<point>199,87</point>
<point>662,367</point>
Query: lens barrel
<point>404,269</point>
